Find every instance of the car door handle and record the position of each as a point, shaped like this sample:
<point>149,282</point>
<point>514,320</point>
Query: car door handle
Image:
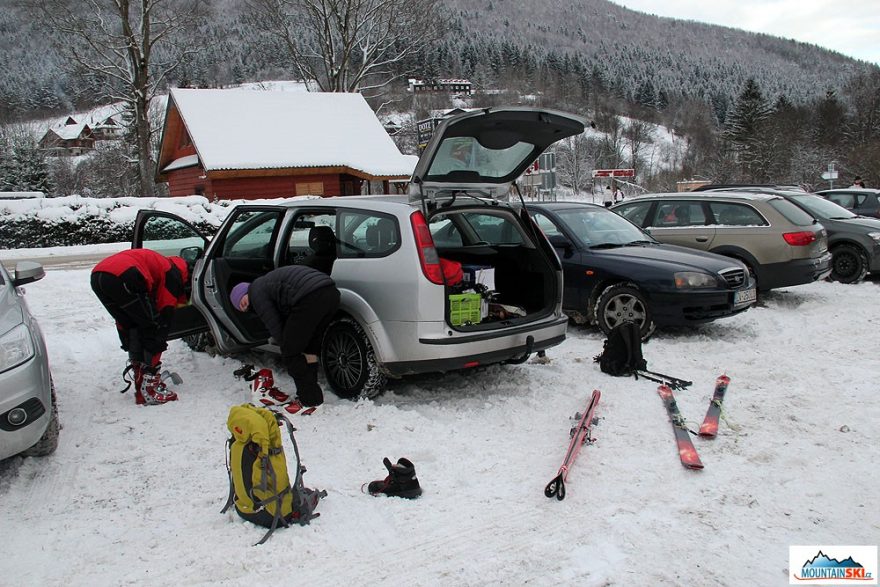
<point>702,239</point>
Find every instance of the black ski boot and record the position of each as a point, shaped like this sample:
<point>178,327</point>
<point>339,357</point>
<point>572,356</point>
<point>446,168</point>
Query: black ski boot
<point>400,482</point>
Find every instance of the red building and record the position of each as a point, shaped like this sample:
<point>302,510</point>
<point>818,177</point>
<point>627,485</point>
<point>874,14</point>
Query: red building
<point>252,144</point>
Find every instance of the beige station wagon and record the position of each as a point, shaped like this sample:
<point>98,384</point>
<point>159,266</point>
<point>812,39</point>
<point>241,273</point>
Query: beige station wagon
<point>781,244</point>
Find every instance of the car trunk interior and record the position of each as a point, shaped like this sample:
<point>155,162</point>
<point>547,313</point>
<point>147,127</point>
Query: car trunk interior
<point>515,283</point>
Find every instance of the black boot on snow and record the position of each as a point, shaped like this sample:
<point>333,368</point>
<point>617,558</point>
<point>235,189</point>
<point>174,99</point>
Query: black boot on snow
<point>400,482</point>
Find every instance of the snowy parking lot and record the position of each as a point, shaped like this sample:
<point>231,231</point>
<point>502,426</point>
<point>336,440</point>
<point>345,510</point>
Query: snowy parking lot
<point>133,494</point>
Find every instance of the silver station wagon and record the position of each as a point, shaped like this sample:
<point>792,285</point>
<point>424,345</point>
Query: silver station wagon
<point>448,277</point>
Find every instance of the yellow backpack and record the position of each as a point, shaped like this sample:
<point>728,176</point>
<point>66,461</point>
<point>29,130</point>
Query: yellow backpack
<point>259,485</point>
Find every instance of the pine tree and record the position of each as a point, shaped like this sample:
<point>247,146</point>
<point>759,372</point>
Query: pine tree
<point>746,130</point>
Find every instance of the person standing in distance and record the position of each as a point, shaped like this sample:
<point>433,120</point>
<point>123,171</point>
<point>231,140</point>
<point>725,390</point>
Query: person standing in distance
<point>295,303</point>
<point>140,289</point>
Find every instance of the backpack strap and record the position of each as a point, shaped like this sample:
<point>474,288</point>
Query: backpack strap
<point>231,499</point>
<point>300,493</point>
<point>278,497</point>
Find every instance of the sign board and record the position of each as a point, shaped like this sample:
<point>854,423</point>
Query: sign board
<point>614,173</point>
<point>829,175</point>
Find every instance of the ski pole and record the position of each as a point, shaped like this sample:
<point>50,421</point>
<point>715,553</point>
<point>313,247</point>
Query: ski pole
<point>579,436</point>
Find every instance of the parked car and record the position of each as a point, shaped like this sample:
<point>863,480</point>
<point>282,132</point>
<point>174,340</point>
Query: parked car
<point>781,244</point>
<point>854,240</point>
<point>614,271</point>
<point>28,413</point>
<point>862,201</point>
<point>401,310</point>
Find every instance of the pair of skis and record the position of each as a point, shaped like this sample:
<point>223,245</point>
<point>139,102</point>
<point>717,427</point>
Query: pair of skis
<point>580,435</point>
<point>687,452</point>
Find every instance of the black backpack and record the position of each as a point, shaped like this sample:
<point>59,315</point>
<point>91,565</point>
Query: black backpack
<point>622,356</point>
<point>622,352</point>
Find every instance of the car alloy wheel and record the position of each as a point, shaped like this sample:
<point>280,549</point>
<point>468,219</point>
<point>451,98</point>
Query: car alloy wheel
<point>349,361</point>
<point>620,303</point>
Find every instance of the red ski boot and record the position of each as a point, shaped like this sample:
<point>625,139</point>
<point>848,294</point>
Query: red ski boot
<point>150,389</point>
<point>264,392</point>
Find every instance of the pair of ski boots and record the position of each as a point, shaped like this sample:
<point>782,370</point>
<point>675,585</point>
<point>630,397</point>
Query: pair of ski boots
<point>266,395</point>
<point>149,384</point>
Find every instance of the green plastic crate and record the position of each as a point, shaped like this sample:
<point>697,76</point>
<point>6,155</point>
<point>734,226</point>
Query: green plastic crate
<point>464,309</point>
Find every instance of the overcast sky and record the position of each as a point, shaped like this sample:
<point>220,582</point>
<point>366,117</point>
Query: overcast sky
<point>851,27</point>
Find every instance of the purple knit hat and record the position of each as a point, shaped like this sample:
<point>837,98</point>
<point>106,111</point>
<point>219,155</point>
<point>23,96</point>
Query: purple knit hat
<point>238,292</point>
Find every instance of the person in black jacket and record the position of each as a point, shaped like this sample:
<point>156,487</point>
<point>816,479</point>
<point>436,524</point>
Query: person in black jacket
<point>295,303</point>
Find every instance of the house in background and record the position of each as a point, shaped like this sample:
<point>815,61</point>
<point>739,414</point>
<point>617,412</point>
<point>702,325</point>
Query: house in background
<point>68,138</point>
<point>250,144</point>
<point>461,87</point>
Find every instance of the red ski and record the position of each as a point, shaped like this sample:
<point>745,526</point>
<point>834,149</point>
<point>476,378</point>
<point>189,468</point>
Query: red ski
<point>580,435</point>
<point>686,450</point>
<point>710,424</point>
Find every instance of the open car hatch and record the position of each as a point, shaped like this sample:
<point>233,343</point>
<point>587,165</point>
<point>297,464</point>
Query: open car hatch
<point>486,150</point>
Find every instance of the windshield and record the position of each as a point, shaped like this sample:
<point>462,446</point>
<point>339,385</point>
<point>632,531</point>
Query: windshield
<point>467,154</point>
<point>822,208</point>
<point>596,227</point>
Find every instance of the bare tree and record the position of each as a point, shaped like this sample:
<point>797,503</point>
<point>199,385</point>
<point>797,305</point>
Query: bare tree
<point>577,156</point>
<point>130,47</point>
<point>349,45</point>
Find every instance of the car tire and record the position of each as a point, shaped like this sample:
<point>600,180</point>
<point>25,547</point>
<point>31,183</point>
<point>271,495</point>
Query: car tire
<point>623,302</point>
<point>848,264</point>
<point>349,361</point>
<point>47,443</point>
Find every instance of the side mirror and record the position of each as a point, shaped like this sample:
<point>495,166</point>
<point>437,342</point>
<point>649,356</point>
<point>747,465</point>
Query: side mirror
<point>27,272</point>
<point>191,254</point>
<point>560,242</point>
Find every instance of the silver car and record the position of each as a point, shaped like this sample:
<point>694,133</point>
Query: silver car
<point>448,277</point>
<point>28,414</point>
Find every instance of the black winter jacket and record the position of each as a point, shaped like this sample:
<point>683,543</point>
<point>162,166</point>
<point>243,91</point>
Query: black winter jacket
<point>274,294</point>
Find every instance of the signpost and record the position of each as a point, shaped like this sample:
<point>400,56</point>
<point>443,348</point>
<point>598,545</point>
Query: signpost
<point>831,174</point>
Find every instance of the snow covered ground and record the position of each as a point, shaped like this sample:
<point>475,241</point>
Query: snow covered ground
<point>133,494</point>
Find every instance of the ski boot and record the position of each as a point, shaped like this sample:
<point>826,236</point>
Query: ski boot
<point>264,392</point>
<point>149,386</point>
<point>400,482</point>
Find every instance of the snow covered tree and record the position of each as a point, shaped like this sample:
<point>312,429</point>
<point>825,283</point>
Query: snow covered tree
<point>576,158</point>
<point>130,46</point>
<point>349,45</point>
<point>23,166</point>
<point>746,130</point>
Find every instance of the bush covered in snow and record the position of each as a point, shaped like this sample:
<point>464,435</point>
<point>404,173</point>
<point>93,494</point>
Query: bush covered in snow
<point>76,220</point>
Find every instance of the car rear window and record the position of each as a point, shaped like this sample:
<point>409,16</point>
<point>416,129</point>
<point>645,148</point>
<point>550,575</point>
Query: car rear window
<point>791,212</point>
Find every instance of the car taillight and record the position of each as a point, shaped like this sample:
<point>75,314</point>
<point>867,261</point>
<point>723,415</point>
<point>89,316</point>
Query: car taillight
<point>428,256</point>
<point>799,239</point>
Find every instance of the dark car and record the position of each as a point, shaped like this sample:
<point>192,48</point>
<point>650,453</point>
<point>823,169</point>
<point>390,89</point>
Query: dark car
<point>614,271</point>
<point>862,201</point>
<point>854,240</point>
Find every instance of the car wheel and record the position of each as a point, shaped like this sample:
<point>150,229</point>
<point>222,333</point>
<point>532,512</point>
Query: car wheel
<point>848,264</point>
<point>47,443</point>
<point>202,342</point>
<point>349,361</point>
<point>620,303</point>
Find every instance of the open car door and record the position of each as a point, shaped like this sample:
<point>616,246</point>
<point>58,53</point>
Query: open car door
<point>170,235</point>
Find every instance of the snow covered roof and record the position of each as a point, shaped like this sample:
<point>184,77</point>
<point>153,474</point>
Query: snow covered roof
<point>248,129</point>
<point>70,131</point>
<point>187,161</point>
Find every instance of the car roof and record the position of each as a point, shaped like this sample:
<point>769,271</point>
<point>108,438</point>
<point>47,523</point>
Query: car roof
<point>697,196</point>
<point>561,205</point>
<point>850,191</point>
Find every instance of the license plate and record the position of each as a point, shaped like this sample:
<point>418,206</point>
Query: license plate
<point>746,296</point>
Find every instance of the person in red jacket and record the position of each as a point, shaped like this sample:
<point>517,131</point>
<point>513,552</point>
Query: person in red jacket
<point>141,288</point>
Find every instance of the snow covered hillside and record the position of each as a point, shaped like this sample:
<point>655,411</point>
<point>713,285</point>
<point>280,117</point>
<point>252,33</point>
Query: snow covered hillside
<point>133,494</point>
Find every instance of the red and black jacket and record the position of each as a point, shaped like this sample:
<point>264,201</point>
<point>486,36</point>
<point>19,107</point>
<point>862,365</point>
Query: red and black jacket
<point>143,271</point>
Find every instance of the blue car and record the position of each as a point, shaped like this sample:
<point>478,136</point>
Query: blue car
<point>614,271</point>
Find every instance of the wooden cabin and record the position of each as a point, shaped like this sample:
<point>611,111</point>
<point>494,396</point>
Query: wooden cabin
<point>254,144</point>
